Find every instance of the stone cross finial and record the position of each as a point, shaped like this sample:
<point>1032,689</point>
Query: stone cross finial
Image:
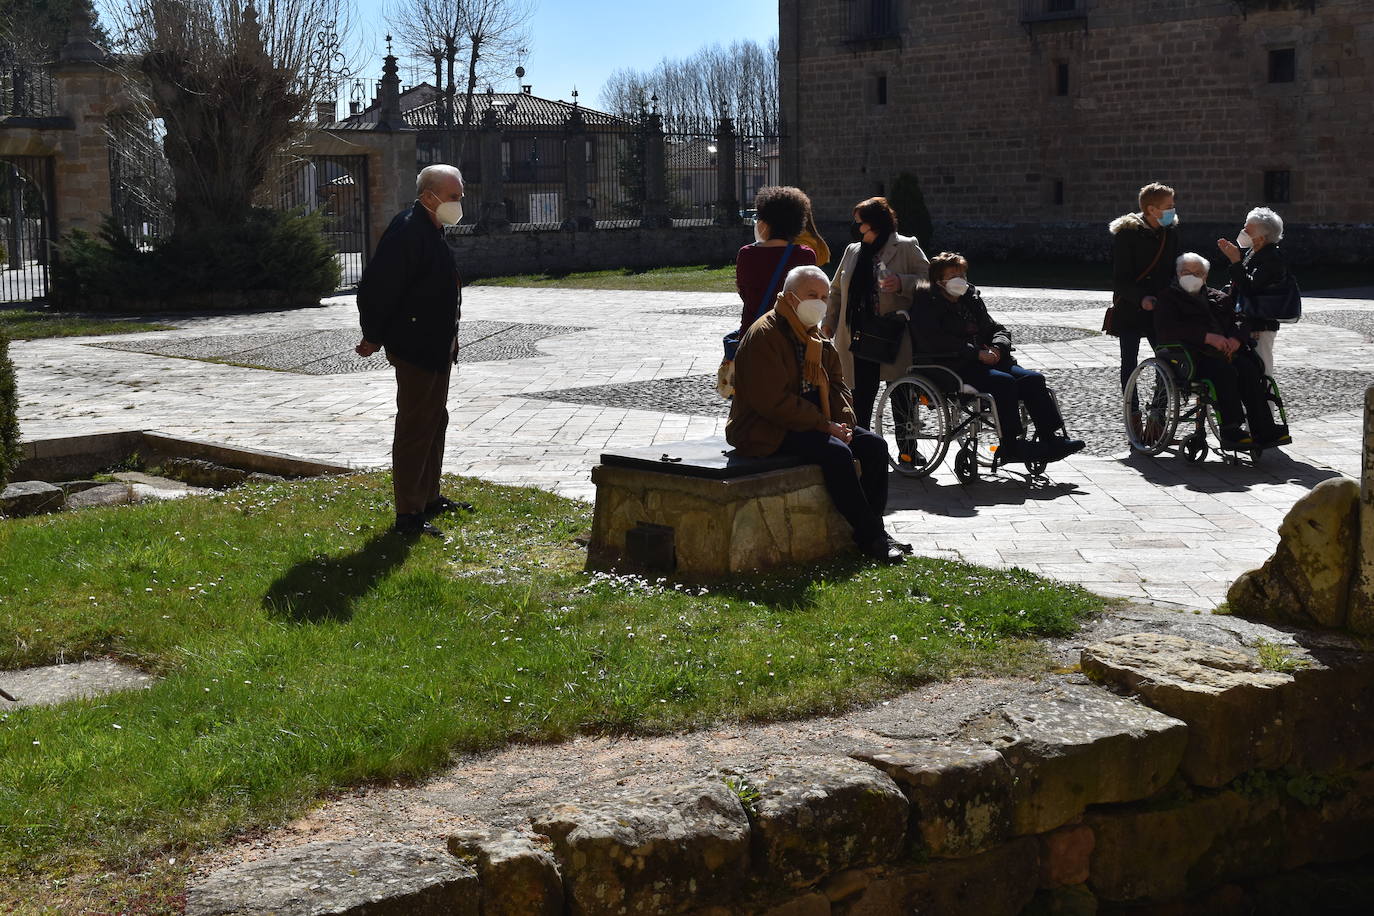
<point>389,96</point>
<point>80,45</point>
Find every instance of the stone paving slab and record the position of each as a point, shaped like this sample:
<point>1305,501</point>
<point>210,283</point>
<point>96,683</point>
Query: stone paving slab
<point>53,684</point>
<point>504,428</point>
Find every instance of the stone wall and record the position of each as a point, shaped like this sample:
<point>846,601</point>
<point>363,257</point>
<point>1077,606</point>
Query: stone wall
<point>1174,90</point>
<point>555,250</point>
<point>1180,769</point>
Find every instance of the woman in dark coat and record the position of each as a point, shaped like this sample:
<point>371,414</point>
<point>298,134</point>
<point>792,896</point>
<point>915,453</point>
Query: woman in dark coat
<point>1203,322</point>
<point>950,326</point>
<point>1262,270</point>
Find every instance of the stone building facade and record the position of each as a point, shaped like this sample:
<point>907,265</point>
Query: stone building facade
<point>1030,123</point>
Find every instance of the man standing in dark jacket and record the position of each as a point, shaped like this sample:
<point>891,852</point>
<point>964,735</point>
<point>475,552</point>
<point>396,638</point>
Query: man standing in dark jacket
<point>1144,248</point>
<point>409,302</point>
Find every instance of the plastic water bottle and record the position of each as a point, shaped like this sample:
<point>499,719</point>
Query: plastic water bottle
<point>883,272</point>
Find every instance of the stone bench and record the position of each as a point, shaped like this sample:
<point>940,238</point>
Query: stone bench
<point>697,509</point>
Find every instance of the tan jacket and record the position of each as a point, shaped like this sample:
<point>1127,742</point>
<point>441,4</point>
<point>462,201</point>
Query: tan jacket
<point>768,377</point>
<point>904,257</point>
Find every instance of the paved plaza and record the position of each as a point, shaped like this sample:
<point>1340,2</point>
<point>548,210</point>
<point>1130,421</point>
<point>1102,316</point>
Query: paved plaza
<point>551,378</point>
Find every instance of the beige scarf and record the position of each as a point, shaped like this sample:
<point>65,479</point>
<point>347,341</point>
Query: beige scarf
<point>812,369</point>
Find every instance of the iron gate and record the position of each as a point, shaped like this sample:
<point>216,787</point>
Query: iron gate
<point>336,188</point>
<point>27,225</point>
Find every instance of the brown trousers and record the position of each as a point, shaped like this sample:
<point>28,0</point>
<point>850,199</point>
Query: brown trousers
<point>417,451</point>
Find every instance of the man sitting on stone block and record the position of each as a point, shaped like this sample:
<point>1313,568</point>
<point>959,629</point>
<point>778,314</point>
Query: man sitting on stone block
<point>791,399</point>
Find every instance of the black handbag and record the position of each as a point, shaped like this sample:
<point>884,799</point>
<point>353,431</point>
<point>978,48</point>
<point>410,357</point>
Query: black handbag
<point>1284,306</point>
<point>879,339</point>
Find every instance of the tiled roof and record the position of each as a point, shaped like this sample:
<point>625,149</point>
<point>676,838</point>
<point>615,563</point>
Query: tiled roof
<point>513,109</point>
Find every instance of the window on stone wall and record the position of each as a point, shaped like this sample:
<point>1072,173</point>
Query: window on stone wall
<point>1283,65</point>
<point>1278,186</point>
<point>1061,78</point>
<point>880,89</point>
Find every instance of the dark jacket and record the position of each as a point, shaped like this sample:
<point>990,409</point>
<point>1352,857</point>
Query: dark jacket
<point>1134,246</point>
<point>769,401</point>
<point>1185,318</point>
<point>951,333</point>
<point>408,298</point>
<point>1262,271</point>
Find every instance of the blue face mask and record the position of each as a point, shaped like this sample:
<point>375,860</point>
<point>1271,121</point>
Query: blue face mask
<point>1167,217</point>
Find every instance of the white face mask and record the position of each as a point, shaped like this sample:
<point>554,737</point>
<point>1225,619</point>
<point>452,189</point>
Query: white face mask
<point>956,286</point>
<point>1190,283</point>
<point>811,311</point>
<point>450,212</point>
<point>759,237</point>
<point>1244,241</point>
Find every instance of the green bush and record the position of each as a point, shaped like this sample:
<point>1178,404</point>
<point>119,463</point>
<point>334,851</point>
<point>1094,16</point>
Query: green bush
<point>9,413</point>
<point>271,259</point>
<point>909,201</point>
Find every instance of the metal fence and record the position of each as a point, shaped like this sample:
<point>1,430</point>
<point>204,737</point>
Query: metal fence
<point>336,188</point>
<point>692,161</point>
<point>141,187</point>
<point>27,91</point>
<point>26,227</point>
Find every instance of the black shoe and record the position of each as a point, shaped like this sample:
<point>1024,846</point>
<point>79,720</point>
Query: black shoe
<point>893,542</point>
<point>1235,439</point>
<point>444,504</point>
<point>1061,447</point>
<point>1274,440</point>
<point>414,523</point>
<point>1010,451</point>
<point>882,550</point>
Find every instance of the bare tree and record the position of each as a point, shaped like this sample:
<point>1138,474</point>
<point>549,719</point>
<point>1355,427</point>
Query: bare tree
<point>231,87</point>
<point>739,81</point>
<point>487,36</point>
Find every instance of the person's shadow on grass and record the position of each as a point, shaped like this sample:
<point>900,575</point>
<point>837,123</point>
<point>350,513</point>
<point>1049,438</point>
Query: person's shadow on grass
<point>327,588</point>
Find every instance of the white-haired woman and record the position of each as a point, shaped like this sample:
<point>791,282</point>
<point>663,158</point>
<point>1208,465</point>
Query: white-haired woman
<point>1262,270</point>
<point>1193,317</point>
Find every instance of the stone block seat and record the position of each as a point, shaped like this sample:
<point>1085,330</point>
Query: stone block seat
<point>726,513</point>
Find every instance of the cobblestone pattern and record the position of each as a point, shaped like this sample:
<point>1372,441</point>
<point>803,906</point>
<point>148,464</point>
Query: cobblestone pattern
<point>331,352</point>
<point>1088,398</point>
<point>1361,322</point>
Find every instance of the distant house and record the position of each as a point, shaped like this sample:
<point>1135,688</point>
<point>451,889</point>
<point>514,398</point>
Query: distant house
<point>692,183</point>
<point>534,148</point>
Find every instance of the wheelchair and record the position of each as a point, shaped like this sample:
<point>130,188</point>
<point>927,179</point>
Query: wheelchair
<point>1164,392</point>
<point>923,413</point>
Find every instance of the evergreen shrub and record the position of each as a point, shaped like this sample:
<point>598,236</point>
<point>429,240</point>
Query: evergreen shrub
<point>271,260</point>
<point>913,217</point>
<point>9,413</point>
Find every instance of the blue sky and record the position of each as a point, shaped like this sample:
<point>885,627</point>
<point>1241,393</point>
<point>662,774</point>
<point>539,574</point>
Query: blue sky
<point>580,42</point>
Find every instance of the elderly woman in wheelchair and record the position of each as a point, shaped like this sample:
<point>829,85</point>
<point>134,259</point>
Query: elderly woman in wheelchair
<point>964,378</point>
<point>1202,349</point>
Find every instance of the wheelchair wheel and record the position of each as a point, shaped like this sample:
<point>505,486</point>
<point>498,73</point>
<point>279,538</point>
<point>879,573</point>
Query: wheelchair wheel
<point>966,464</point>
<point>913,420</point>
<point>1154,388</point>
<point>987,448</point>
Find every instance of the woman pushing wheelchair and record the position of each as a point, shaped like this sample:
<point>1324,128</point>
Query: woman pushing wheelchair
<point>1198,330</point>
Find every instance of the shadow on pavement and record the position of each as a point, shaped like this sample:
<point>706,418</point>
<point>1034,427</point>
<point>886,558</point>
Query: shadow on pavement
<point>1212,476</point>
<point>959,500</point>
<point>327,588</point>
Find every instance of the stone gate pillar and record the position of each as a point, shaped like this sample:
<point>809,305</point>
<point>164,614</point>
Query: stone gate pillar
<point>655,176</point>
<point>1362,584</point>
<point>575,157</point>
<point>88,89</point>
<point>391,155</point>
<point>727,177</point>
<point>493,216</point>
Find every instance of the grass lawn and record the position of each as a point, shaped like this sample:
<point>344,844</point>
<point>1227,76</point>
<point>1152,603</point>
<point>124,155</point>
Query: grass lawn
<point>300,648</point>
<point>1030,274</point>
<point>696,279</point>
<point>27,324</point>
